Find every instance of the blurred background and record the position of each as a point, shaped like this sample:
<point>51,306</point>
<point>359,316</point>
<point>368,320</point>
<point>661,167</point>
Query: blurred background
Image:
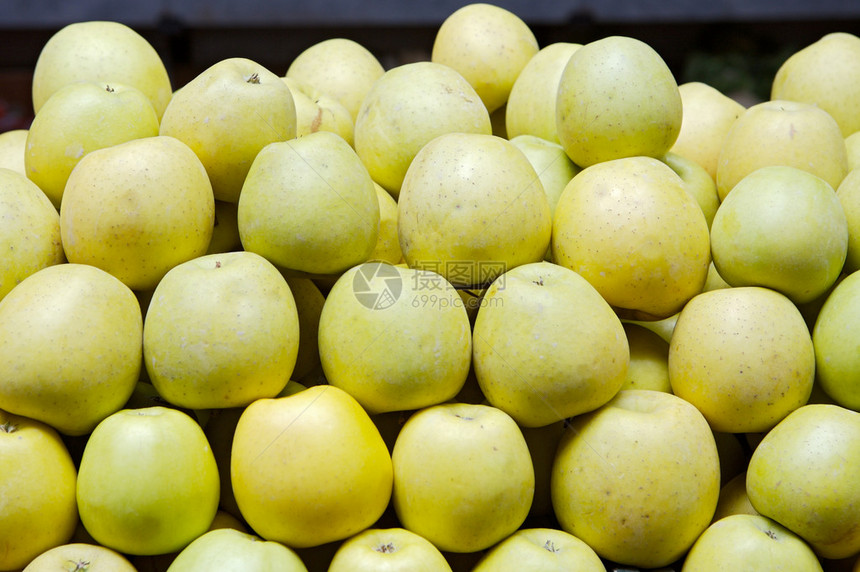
<point>734,45</point>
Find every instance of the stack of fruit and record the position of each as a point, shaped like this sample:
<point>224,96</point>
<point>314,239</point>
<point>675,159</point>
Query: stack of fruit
<point>512,308</point>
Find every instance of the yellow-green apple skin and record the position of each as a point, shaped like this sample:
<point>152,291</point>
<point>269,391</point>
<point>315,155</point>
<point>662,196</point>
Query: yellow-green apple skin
<point>649,360</point>
<point>104,52</point>
<point>631,229</point>
<point>708,114</point>
<point>388,549</point>
<point>225,229</point>
<point>530,109</point>
<point>472,207</point>
<point>852,144</point>
<point>137,209</point>
<point>637,479</point>
<point>617,98</point>
<point>750,543</point>
<point>235,551</point>
<point>309,206</point>
<point>84,557</point>
<point>134,498</point>
<point>848,194</point>
<point>463,476</point>
<point>30,231</point>
<point>222,330</point>
<point>309,304</point>
<point>697,182</point>
<point>798,135</point>
<point>552,165</point>
<point>825,73</point>
<point>734,498</point>
<point>38,510</point>
<point>226,115</point>
<point>92,324</point>
<point>542,443</point>
<point>714,280</point>
<point>388,241</point>
<point>489,46</point>
<point>13,145</point>
<point>717,358</point>
<point>340,68</point>
<point>540,549</point>
<point>805,474</point>
<point>834,336</point>
<point>79,118</point>
<point>410,105</point>
<point>547,346</point>
<point>318,112</point>
<point>281,467</point>
<point>734,455</point>
<point>394,338</point>
<point>782,228</point>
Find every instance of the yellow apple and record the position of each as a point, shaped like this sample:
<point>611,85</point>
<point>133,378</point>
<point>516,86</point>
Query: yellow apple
<point>310,468</point>
<point>734,499</point>
<point>716,358</point>
<point>376,549</point>
<point>309,304</point>
<point>70,342</point>
<point>388,242</point>
<point>617,98</point>
<point>753,543</point>
<point>852,144</point>
<point>317,112</point>
<point>488,45</point>
<point>83,557</point>
<point>530,109</point>
<point>471,208</point>
<point>38,510</point>
<point>235,551</point>
<point>79,118</point>
<point>406,108</point>
<point>550,348</point>
<point>463,476</point>
<point>848,194</point>
<point>708,114</point>
<point>226,115</point>
<point>825,73</point>
<point>13,145</point>
<point>637,479</point>
<point>834,337</point>
<point>697,182</point>
<point>805,474</point>
<point>137,209</point>
<point>340,68</point>
<point>783,228</point>
<point>714,280</point>
<point>104,52</point>
<point>134,498</point>
<point>236,312</point>
<point>779,132</point>
<point>225,229</point>
<point>552,165</point>
<point>649,360</point>
<point>308,205</point>
<point>540,549</point>
<point>30,234</point>
<point>542,443</point>
<point>631,229</point>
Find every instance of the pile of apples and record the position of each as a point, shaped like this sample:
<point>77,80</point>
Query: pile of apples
<point>516,307</point>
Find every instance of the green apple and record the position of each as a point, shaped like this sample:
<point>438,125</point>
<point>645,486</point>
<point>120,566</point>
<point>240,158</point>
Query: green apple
<point>530,109</point>
<point>38,510</point>
<point>13,146</point>
<point>750,543</point>
<point>617,98</point>
<point>388,242</point>
<point>134,498</point>
<point>394,338</point>
<point>319,112</point>
<point>783,228</point>
<point>787,133</point>
<point>104,52</point>
<point>137,209</point>
<point>649,360</point>
<point>309,304</point>
<point>805,474</point>
<point>848,194</point>
<point>708,114</point>
<point>30,234</point>
<point>716,363</point>
<point>406,108</point>
<point>489,46</point>
<point>222,330</point>
<point>472,207</point>
<point>82,557</point>
<point>79,118</point>
<point>390,549</point>
<point>825,73</point>
<point>225,229</point>
<point>226,115</point>
<point>70,342</point>
<point>834,336</point>
<point>340,68</point>
<point>547,346</point>
<point>463,476</point>
<point>552,165</point>
<point>630,228</point>
<point>310,468</point>
<point>734,499</point>
<point>714,280</point>
<point>638,479</point>
<point>540,549</point>
<point>235,551</point>
<point>308,205</point>
<point>697,182</point>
